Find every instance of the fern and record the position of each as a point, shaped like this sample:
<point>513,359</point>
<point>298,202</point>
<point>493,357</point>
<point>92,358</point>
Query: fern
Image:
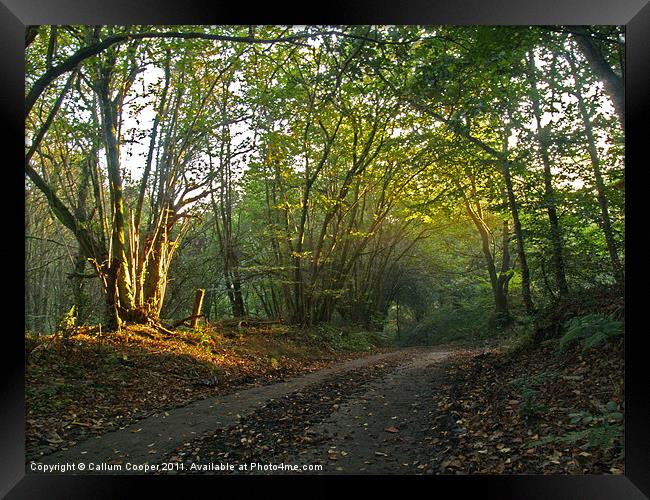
<point>526,385</point>
<point>589,331</point>
<point>605,430</point>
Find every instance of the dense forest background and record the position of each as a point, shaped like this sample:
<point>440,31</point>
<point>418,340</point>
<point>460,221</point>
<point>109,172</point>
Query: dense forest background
<point>406,179</point>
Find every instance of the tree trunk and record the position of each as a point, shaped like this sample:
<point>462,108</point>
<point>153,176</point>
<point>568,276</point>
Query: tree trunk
<point>549,194</point>
<point>612,82</point>
<point>606,224</point>
<point>503,279</point>
<point>521,253</point>
<point>79,294</point>
<point>501,313</point>
<point>397,319</point>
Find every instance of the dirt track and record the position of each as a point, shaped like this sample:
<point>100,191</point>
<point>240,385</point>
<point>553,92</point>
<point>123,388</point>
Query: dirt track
<point>368,415</point>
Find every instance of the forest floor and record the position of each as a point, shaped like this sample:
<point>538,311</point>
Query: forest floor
<point>436,411</point>
<point>440,410</point>
<point>97,383</point>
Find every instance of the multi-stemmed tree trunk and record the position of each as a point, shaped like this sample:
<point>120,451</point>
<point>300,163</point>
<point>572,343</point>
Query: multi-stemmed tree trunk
<point>135,273</point>
<point>119,292</point>
<point>223,204</point>
<point>130,261</point>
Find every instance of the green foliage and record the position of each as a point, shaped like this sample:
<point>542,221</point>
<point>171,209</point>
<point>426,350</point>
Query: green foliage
<point>589,331</point>
<point>345,339</point>
<point>68,323</point>
<point>521,338</point>
<point>449,324</point>
<point>330,175</point>
<point>205,338</point>
<point>605,429</point>
<point>529,406</point>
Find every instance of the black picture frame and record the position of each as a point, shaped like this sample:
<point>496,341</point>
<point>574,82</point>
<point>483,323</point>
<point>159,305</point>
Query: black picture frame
<point>634,14</point>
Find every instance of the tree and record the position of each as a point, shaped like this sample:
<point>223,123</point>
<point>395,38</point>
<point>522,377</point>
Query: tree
<point>597,171</point>
<point>316,169</point>
<point>600,46</point>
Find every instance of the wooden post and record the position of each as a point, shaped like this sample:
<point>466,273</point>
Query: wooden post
<point>198,304</point>
<point>397,303</point>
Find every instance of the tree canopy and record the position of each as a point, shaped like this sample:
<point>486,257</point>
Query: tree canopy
<point>320,174</point>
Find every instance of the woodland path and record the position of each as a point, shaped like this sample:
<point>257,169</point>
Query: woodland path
<point>383,428</point>
<point>368,415</point>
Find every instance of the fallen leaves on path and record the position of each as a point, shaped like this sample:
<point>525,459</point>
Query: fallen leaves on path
<point>97,384</point>
<point>284,427</point>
